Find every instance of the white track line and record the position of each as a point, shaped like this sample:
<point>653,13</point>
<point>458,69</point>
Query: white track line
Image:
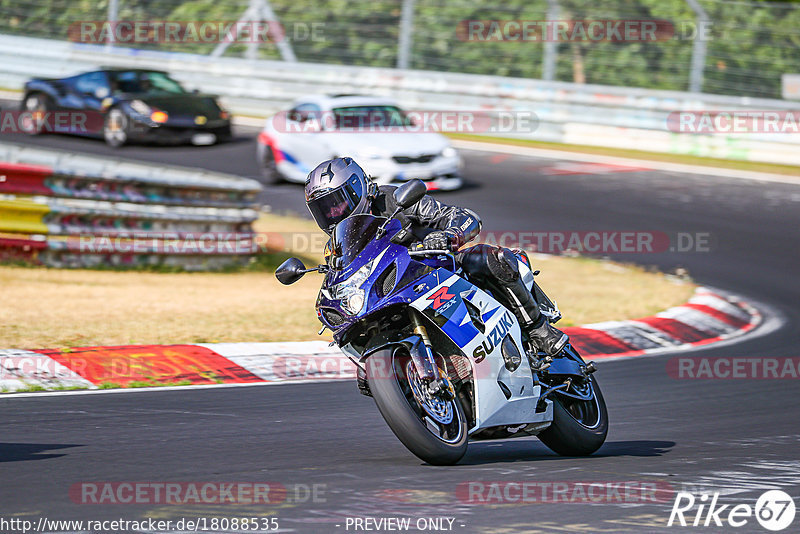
<point>630,162</point>
<point>6,396</point>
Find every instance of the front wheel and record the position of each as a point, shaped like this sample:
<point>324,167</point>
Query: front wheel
<point>116,128</point>
<point>270,175</point>
<point>433,429</point>
<point>579,427</point>
<point>37,104</point>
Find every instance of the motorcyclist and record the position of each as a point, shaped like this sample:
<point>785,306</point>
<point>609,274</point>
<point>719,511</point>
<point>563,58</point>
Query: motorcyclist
<point>339,188</point>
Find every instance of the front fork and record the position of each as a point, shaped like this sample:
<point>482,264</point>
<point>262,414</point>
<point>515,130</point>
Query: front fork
<point>425,362</point>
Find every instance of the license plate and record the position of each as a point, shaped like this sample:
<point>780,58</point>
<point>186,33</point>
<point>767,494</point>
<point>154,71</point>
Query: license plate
<point>204,139</point>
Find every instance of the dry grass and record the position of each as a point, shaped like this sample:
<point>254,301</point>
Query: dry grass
<point>590,291</point>
<point>58,308</point>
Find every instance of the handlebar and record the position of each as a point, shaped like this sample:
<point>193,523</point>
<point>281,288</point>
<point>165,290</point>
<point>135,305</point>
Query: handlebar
<point>427,252</point>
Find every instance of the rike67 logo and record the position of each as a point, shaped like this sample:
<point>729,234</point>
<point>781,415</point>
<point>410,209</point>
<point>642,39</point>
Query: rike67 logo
<point>774,510</point>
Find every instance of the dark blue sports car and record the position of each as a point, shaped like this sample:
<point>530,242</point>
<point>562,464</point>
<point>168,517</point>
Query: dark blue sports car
<point>125,105</point>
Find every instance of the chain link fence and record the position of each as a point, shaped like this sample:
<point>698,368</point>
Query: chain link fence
<point>713,46</point>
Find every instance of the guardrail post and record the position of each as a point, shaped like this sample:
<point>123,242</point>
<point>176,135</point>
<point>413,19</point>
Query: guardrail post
<point>287,53</point>
<point>550,44</point>
<point>406,31</point>
<point>257,11</point>
<point>698,48</point>
<point>113,15</point>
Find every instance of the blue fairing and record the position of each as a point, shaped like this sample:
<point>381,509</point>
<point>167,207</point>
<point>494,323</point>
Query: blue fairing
<point>410,272</point>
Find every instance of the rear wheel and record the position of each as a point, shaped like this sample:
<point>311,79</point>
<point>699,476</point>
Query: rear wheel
<point>433,429</point>
<point>579,426</point>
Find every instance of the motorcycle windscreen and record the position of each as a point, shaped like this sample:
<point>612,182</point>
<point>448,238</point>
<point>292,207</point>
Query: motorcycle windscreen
<point>353,234</point>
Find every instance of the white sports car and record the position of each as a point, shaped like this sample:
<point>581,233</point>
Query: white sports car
<point>387,142</point>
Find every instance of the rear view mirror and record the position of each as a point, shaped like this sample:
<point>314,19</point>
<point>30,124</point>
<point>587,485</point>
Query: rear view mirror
<point>290,271</point>
<point>410,193</point>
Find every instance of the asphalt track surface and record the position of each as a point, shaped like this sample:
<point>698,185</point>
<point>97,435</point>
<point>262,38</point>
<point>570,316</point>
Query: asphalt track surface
<point>738,437</point>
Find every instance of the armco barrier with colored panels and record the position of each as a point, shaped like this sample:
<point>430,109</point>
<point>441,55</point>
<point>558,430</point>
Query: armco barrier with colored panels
<point>706,318</point>
<point>72,210</point>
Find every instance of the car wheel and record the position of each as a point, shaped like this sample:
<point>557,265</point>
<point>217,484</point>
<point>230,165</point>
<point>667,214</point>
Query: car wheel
<point>37,104</point>
<point>269,167</point>
<point>225,136</point>
<point>115,128</point>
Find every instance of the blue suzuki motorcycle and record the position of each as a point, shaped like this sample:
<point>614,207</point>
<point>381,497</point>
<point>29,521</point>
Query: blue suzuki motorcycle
<point>444,359</point>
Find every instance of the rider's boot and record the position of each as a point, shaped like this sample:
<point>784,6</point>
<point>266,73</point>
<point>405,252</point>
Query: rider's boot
<point>543,335</point>
<point>548,338</point>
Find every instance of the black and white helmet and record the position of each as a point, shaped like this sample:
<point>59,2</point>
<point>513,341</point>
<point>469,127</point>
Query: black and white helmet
<point>336,189</point>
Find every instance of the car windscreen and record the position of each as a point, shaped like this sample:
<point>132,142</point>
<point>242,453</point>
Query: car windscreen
<point>150,82</point>
<point>361,117</point>
<point>353,234</point>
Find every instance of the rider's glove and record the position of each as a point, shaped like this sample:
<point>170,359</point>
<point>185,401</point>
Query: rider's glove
<point>441,240</point>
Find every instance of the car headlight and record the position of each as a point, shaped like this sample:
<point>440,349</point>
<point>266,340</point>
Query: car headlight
<point>449,152</point>
<point>349,292</point>
<point>140,107</point>
<point>159,117</point>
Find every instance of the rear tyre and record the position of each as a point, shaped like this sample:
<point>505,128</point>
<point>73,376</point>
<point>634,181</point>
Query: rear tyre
<point>579,427</point>
<point>434,430</point>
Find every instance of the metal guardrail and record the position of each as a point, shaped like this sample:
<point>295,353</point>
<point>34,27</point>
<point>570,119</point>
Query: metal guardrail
<point>66,210</point>
<point>603,116</point>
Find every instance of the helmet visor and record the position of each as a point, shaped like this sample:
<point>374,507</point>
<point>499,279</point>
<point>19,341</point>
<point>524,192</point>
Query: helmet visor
<point>336,205</point>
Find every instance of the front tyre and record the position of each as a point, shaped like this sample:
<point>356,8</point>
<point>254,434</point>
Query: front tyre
<point>37,105</point>
<point>433,429</point>
<point>116,128</point>
<point>579,427</point>
<point>270,175</point>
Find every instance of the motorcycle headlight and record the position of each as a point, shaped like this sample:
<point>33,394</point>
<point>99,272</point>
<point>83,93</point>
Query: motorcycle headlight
<point>449,152</point>
<point>349,292</point>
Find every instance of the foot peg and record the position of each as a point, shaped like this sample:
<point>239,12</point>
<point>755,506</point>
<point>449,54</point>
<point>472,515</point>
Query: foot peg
<point>539,364</point>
